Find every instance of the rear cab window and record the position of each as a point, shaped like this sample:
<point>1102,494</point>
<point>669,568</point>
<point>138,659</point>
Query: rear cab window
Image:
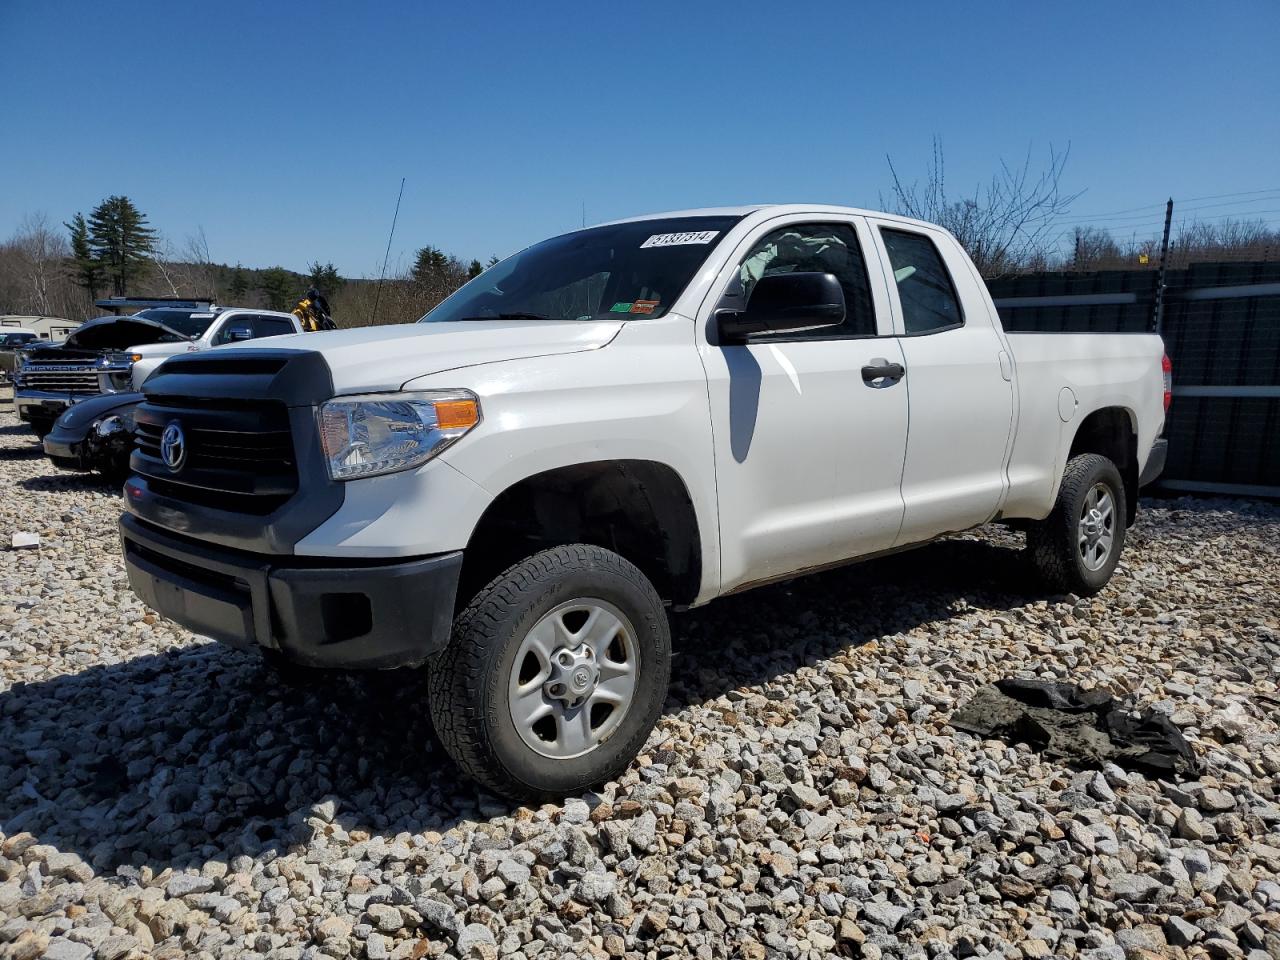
<point>925,289</point>
<point>271,327</point>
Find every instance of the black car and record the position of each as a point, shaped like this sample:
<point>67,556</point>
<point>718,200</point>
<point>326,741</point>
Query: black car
<point>95,434</point>
<point>10,343</point>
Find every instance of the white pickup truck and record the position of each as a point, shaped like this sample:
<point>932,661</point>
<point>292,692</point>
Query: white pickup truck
<point>113,355</point>
<point>204,329</point>
<point>644,415</point>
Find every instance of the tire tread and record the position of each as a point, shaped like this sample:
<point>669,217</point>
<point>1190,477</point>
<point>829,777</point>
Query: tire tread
<point>1051,543</point>
<point>456,673</point>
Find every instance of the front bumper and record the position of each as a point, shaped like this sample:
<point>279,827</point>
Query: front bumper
<point>67,450</point>
<point>41,404</point>
<point>1155,462</point>
<point>368,615</point>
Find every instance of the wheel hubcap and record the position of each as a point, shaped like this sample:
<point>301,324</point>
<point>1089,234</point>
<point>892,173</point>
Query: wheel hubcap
<point>1096,533</point>
<point>574,678</point>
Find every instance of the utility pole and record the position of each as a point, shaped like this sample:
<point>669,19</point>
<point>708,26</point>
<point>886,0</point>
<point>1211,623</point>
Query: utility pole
<point>1157,314</point>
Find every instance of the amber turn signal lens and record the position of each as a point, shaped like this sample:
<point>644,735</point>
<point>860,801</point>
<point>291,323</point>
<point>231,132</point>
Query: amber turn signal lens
<point>456,414</point>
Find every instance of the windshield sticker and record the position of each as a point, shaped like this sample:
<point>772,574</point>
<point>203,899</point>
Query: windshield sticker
<point>621,307</point>
<point>678,239</point>
<point>644,306</point>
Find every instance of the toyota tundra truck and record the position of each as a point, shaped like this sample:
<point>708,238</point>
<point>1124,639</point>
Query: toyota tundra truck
<point>612,424</point>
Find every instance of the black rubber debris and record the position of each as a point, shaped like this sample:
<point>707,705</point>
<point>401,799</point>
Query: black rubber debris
<point>1084,727</point>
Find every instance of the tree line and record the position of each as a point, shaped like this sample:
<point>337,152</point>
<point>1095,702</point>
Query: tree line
<point>115,251</point>
<point>1014,223</point>
<point>1018,222</point>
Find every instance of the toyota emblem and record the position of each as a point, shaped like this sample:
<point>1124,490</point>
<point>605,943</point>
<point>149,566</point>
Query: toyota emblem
<point>173,447</point>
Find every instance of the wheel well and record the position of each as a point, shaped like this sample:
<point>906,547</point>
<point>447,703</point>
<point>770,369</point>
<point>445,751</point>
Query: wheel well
<point>639,509</point>
<point>1109,432</point>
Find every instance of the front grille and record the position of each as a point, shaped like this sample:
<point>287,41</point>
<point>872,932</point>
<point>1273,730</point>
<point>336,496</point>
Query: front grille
<point>239,454</point>
<point>60,381</point>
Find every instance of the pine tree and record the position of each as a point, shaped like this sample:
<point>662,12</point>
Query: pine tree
<point>430,267</point>
<point>238,285</point>
<point>87,272</point>
<point>324,277</point>
<point>492,261</point>
<point>277,287</point>
<point>475,269</point>
<point>121,242</point>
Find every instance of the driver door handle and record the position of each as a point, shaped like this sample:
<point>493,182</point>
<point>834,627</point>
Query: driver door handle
<point>881,373</point>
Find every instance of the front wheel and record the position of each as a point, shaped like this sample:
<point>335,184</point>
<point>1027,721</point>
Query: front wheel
<point>1077,547</point>
<point>555,674</point>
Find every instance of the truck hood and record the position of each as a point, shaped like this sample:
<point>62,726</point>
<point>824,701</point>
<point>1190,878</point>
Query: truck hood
<point>119,333</point>
<point>370,359</point>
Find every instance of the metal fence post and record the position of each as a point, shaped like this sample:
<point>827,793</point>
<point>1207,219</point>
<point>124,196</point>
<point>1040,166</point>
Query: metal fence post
<point>1157,312</point>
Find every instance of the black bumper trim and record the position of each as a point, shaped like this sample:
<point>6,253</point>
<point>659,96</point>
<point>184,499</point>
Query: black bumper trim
<point>65,449</point>
<point>1155,462</point>
<point>368,614</point>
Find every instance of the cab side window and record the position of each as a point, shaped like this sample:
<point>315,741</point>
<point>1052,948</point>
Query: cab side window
<point>239,322</point>
<point>816,248</point>
<point>928,297</point>
<point>271,327</point>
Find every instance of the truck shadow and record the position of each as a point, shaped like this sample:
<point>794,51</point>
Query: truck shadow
<point>752,638</point>
<point>33,452</point>
<point>68,480</point>
<point>200,752</point>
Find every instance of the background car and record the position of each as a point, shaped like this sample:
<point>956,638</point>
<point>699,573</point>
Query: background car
<point>12,340</point>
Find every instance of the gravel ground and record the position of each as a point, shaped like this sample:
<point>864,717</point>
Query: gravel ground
<point>803,795</point>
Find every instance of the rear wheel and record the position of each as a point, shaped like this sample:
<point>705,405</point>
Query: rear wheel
<point>1077,547</point>
<point>555,674</point>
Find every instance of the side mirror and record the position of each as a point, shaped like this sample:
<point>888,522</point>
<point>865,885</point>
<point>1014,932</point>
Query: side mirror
<point>785,302</point>
<point>239,333</point>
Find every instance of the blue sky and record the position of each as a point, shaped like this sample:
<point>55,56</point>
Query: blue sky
<point>283,129</point>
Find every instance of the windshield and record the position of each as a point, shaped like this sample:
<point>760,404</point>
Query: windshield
<point>189,322</point>
<point>620,271</point>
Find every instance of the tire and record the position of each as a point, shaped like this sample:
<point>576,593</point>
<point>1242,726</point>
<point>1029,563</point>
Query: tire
<point>41,428</point>
<point>1066,556</point>
<point>482,680</point>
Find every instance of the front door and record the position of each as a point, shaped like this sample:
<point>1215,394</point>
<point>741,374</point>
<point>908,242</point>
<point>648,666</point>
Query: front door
<point>808,454</point>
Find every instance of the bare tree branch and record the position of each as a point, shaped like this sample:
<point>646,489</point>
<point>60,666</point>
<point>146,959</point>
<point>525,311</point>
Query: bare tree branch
<point>1004,225</point>
<point>164,260</point>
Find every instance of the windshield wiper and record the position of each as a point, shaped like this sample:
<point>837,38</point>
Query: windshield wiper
<point>515,316</point>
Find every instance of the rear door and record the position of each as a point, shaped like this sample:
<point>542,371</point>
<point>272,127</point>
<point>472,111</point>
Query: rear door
<point>958,384</point>
<point>808,453</point>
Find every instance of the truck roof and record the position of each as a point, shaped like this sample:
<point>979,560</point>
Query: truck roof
<point>776,209</point>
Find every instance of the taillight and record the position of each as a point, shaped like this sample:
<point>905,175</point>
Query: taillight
<point>1166,366</point>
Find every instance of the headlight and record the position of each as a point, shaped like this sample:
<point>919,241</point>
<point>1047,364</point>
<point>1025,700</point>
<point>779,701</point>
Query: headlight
<point>114,424</point>
<point>381,433</point>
